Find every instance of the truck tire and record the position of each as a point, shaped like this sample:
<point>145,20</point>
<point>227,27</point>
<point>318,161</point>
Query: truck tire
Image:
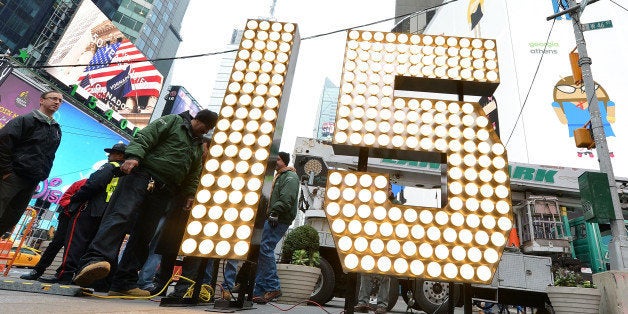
<point>324,289</point>
<point>431,297</point>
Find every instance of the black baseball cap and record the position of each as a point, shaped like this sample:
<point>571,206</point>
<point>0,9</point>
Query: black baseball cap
<point>120,147</point>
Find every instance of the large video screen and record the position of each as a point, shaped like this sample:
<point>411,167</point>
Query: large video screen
<point>83,140</point>
<point>16,98</point>
<point>179,100</point>
<point>116,72</point>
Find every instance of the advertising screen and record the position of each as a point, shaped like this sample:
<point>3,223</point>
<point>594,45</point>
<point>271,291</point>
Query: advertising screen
<point>180,100</point>
<point>116,71</point>
<point>541,98</point>
<point>16,98</point>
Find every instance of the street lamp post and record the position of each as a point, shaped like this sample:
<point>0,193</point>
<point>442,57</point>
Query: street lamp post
<point>618,247</point>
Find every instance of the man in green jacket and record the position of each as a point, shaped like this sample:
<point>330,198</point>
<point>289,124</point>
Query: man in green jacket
<point>163,164</point>
<point>281,212</point>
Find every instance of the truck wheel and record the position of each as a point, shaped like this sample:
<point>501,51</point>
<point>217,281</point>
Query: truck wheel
<point>393,292</point>
<point>429,296</point>
<point>324,289</point>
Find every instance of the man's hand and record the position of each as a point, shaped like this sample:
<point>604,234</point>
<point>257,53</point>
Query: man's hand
<point>128,165</point>
<point>188,203</point>
<point>273,220</point>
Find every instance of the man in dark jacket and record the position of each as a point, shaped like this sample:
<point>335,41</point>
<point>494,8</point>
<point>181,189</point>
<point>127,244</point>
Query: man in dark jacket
<point>163,164</point>
<point>282,210</point>
<point>28,144</point>
<point>86,208</point>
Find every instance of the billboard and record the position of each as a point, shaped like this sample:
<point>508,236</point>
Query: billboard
<point>180,100</point>
<point>83,140</point>
<point>117,73</point>
<point>16,98</point>
<point>539,111</point>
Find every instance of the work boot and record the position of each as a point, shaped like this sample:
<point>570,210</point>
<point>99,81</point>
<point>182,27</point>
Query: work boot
<point>259,299</point>
<point>55,279</point>
<point>33,275</point>
<point>272,295</point>
<point>381,310</point>
<point>135,292</point>
<point>92,272</point>
<point>226,295</point>
<point>361,308</point>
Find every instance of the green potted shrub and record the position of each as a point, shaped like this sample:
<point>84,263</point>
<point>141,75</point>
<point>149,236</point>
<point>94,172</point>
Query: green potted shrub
<point>572,294</point>
<point>298,270</point>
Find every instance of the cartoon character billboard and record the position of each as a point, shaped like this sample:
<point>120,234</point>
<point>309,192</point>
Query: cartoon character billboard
<point>541,97</point>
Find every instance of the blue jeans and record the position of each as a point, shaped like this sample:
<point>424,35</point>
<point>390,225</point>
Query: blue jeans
<point>231,268</point>
<point>146,279</point>
<point>266,278</point>
<point>147,274</point>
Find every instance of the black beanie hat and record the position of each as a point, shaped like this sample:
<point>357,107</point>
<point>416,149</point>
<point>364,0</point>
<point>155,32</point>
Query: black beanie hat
<point>285,157</point>
<point>208,118</point>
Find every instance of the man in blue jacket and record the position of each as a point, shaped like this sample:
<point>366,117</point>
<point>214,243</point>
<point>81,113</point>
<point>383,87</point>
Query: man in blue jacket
<point>28,144</point>
<point>163,165</point>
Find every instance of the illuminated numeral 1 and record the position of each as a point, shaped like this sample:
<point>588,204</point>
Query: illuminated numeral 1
<point>223,215</point>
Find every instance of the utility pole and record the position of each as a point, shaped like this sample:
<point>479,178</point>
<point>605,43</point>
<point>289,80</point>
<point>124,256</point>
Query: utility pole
<point>618,247</point>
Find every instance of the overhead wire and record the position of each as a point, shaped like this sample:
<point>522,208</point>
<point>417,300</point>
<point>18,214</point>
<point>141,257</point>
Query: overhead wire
<point>617,4</point>
<point>525,101</point>
<point>234,50</point>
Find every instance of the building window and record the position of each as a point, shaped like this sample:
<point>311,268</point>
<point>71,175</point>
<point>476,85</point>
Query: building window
<point>140,43</point>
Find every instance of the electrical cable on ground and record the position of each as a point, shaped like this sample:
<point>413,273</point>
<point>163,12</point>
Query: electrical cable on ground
<point>233,50</point>
<point>531,83</point>
<point>207,292</point>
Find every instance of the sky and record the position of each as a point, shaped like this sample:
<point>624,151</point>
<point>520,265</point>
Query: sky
<point>207,27</point>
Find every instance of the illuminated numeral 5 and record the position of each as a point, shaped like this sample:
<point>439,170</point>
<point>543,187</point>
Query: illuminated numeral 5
<point>464,240</point>
<point>227,199</point>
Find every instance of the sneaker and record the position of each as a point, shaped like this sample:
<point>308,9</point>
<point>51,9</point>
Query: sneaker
<point>381,310</point>
<point>272,295</point>
<point>92,272</point>
<point>135,292</point>
<point>33,275</point>
<point>361,308</point>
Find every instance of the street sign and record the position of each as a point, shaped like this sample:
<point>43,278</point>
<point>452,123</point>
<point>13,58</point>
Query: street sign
<point>597,25</point>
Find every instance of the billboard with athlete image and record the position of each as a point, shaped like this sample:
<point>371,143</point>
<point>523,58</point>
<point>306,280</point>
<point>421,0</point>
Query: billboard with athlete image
<point>115,72</point>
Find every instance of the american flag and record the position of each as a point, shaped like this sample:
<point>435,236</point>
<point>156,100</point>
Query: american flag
<point>110,60</point>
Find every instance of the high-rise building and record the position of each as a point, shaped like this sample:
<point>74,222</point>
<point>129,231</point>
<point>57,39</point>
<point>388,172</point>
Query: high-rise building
<point>21,21</point>
<point>326,115</point>
<point>152,25</point>
<point>224,70</point>
<point>413,23</point>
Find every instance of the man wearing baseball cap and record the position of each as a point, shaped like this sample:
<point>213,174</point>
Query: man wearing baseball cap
<point>163,165</point>
<point>86,210</point>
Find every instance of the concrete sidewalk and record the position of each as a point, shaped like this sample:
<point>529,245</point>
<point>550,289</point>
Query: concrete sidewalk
<point>27,302</point>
